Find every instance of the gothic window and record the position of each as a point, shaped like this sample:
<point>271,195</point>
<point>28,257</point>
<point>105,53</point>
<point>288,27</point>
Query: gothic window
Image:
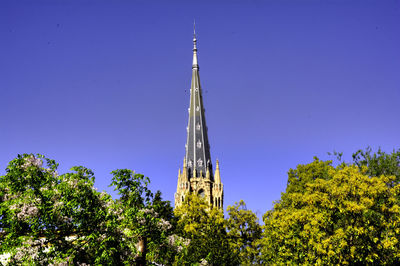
<point>198,144</point>
<point>200,162</point>
<point>201,193</point>
<point>198,126</point>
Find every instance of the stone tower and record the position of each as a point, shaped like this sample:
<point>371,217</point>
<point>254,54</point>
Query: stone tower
<point>197,173</point>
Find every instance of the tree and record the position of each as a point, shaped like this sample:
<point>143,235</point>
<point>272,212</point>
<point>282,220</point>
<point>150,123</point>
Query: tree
<point>379,163</point>
<point>204,227</point>
<point>49,218</point>
<point>334,216</point>
<point>244,233</point>
<point>144,219</point>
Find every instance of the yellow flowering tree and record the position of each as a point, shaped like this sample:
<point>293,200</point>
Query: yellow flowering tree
<point>334,215</point>
<point>244,233</point>
<point>203,229</point>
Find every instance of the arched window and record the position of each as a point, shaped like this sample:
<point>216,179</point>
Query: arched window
<point>201,193</point>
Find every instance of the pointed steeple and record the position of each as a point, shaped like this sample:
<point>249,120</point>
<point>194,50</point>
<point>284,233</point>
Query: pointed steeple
<point>197,174</point>
<point>217,174</point>
<point>197,146</point>
<point>183,176</point>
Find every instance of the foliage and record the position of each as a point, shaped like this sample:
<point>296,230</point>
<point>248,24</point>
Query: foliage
<point>333,216</point>
<point>46,218</point>
<point>379,163</point>
<point>298,179</point>
<point>145,219</point>
<point>244,233</point>
<point>49,218</point>
<point>204,226</point>
<point>348,214</point>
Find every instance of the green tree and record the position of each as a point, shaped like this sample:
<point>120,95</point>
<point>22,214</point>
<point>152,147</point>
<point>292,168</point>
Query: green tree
<point>204,227</point>
<point>299,178</point>
<point>334,216</point>
<point>49,218</point>
<point>144,219</point>
<point>244,233</point>
<point>379,163</point>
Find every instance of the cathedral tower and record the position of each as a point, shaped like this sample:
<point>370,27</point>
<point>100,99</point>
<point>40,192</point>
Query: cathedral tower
<point>197,174</point>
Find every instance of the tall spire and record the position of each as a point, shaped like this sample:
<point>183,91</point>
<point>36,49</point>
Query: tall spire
<point>197,147</point>
<point>197,174</point>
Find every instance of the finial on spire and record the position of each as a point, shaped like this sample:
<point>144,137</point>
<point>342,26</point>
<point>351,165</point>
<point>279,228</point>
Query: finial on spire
<point>194,65</point>
<point>194,28</point>
<point>217,176</point>
<point>194,36</point>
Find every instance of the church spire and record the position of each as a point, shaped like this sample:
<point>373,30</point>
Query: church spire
<point>197,147</point>
<point>197,174</point>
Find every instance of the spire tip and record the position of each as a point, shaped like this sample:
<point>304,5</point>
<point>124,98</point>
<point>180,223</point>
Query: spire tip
<point>194,28</point>
<point>194,65</point>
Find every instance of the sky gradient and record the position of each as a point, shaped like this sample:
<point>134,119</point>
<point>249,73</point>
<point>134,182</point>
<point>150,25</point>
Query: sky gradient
<point>105,84</point>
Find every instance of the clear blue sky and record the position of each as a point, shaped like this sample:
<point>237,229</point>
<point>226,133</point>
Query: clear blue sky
<point>105,84</point>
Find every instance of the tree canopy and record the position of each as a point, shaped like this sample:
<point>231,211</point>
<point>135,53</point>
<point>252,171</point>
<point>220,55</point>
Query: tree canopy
<point>47,218</point>
<point>244,233</point>
<point>334,215</point>
<point>204,226</point>
<point>343,214</point>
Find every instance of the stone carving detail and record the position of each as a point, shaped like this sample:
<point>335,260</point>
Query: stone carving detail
<point>198,144</point>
